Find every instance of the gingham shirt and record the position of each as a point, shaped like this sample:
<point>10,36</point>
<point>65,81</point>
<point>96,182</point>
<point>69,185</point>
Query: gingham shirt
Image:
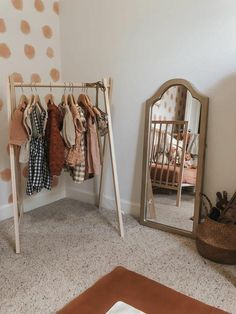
<point>38,176</point>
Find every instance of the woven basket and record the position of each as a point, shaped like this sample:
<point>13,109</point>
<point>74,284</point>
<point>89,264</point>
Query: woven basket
<point>217,241</point>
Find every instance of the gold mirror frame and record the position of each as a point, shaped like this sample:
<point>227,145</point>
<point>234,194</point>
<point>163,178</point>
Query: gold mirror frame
<point>202,145</point>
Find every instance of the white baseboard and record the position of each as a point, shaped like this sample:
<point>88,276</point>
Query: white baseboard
<point>33,202</point>
<point>47,197</point>
<point>107,202</point>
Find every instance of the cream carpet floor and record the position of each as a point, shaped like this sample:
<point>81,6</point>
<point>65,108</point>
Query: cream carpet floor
<point>68,245</point>
<point>169,214</point>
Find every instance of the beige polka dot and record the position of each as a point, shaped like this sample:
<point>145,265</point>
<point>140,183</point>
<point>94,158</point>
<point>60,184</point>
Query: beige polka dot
<point>55,181</point>
<point>39,6</point>
<point>47,31</point>
<point>29,51</point>
<point>8,149</point>
<point>25,27</point>
<point>56,7</point>
<point>50,52</point>
<point>2,26</point>
<point>4,51</point>
<point>35,78</point>
<point>17,77</point>
<point>25,172</point>
<point>5,175</point>
<point>55,75</point>
<point>1,104</point>
<point>10,198</point>
<point>18,4</point>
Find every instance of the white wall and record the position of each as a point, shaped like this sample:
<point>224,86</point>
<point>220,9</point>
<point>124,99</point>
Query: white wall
<point>141,44</point>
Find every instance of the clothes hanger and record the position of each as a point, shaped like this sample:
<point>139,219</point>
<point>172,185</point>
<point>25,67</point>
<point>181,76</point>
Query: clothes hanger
<point>70,98</point>
<point>37,101</point>
<point>97,112</point>
<point>30,101</point>
<point>72,93</point>
<point>50,95</point>
<point>64,98</point>
<point>23,98</point>
<point>84,101</point>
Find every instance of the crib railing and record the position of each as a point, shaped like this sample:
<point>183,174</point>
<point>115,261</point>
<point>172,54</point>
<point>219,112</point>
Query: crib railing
<point>167,154</point>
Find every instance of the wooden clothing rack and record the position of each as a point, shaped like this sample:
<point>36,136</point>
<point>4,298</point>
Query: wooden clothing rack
<point>18,200</point>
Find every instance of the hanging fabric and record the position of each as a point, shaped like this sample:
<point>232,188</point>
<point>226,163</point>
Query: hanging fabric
<point>53,137</point>
<point>55,143</point>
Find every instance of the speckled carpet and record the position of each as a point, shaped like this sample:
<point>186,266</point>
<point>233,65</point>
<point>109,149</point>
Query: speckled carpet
<point>68,245</point>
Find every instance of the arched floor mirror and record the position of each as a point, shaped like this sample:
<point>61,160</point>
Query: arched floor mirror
<point>173,158</point>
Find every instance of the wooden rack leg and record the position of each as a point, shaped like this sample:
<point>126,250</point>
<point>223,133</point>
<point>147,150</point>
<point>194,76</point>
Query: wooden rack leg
<point>178,198</point>
<point>13,172</point>
<point>103,153</point>
<point>102,173</point>
<point>113,160</point>
<point>15,200</point>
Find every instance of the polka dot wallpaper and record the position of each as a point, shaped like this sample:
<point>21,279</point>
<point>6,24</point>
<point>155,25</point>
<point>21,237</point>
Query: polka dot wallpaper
<point>29,49</point>
<point>172,105</point>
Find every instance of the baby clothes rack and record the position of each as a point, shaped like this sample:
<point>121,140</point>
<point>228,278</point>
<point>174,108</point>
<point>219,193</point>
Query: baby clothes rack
<point>18,208</point>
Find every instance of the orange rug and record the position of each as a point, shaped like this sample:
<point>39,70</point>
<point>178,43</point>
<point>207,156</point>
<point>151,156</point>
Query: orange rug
<point>142,293</point>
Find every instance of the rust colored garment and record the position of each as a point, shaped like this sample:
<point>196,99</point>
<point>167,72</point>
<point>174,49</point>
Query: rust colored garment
<point>140,292</point>
<point>54,139</point>
<point>18,133</point>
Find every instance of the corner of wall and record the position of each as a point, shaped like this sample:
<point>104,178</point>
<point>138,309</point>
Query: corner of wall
<point>108,202</point>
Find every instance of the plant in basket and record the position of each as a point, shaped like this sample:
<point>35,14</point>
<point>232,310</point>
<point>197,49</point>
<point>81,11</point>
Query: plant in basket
<point>216,234</point>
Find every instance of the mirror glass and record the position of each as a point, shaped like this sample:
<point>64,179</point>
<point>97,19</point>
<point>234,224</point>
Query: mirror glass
<point>173,158</point>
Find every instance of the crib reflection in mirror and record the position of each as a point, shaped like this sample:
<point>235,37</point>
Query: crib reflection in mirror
<point>173,119</point>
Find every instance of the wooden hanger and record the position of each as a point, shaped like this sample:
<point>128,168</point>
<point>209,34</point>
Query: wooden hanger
<point>64,98</point>
<point>50,95</point>
<point>86,103</point>
<point>96,111</point>
<point>30,102</point>
<point>70,100</point>
<point>72,93</point>
<point>23,98</point>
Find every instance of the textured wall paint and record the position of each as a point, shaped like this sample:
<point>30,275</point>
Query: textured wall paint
<point>29,48</point>
<point>141,44</point>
